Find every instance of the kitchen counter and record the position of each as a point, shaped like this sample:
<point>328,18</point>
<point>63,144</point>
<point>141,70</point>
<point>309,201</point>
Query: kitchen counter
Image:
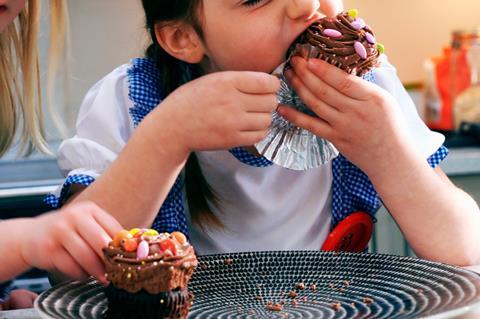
<point>462,161</point>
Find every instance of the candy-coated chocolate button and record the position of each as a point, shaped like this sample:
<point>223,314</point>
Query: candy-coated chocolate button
<point>180,237</point>
<point>121,235</point>
<point>351,235</point>
<point>130,244</point>
<point>168,244</point>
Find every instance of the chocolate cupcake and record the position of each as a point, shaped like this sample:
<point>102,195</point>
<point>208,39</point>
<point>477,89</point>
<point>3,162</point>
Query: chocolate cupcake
<point>345,41</point>
<point>148,273</point>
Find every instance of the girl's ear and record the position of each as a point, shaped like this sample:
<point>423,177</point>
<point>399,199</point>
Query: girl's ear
<point>180,41</point>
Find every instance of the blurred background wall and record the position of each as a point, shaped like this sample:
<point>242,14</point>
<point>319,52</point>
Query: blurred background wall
<point>104,35</point>
<point>413,30</point>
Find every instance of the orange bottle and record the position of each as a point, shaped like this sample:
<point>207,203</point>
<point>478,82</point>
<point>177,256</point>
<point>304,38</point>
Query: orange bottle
<point>447,77</point>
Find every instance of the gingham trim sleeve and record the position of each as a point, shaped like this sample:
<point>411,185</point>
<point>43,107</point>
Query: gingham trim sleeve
<point>57,201</point>
<point>438,157</point>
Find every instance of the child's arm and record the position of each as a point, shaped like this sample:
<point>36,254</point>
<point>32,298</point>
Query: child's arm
<point>217,111</point>
<point>440,221</point>
<point>69,240</point>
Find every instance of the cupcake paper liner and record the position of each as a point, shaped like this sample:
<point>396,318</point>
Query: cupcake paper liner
<point>290,146</point>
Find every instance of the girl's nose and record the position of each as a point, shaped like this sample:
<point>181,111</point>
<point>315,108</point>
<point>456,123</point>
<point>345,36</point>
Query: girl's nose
<point>302,9</point>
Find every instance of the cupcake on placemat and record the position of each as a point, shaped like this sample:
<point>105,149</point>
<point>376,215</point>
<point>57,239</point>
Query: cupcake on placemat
<point>148,273</point>
<point>345,41</point>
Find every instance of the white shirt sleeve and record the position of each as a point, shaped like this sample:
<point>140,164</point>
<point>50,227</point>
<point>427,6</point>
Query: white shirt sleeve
<point>424,140</point>
<point>102,130</point>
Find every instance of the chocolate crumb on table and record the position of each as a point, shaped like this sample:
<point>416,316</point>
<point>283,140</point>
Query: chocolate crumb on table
<point>313,287</point>
<point>228,261</point>
<point>367,300</point>
<point>274,306</point>
<point>336,306</point>
<point>292,294</point>
<point>294,303</point>
<point>300,286</point>
<point>259,297</point>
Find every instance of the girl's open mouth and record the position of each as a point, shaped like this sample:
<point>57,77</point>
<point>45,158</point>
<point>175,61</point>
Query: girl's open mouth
<point>3,8</point>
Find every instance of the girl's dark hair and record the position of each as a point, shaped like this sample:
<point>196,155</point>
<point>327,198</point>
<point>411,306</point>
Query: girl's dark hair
<point>175,73</point>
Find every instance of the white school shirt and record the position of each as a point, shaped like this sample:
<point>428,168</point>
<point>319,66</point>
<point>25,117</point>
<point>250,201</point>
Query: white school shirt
<point>262,208</point>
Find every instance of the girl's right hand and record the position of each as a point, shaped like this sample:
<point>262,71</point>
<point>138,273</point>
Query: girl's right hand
<point>221,110</point>
<point>70,240</point>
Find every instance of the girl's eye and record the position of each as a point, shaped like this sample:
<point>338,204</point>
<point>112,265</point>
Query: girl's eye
<point>251,3</point>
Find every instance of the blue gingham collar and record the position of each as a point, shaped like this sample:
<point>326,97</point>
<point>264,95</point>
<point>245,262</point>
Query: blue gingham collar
<point>145,92</point>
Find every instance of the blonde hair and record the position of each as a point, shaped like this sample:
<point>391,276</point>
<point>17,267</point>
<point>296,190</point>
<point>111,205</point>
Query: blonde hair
<point>20,93</point>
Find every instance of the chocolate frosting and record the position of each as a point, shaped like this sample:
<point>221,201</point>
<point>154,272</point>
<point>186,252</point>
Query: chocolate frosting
<point>339,51</point>
<point>158,272</point>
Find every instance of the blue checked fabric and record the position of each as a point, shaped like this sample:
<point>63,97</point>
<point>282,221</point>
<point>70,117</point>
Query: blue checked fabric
<point>352,190</point>
<point>56,202</point>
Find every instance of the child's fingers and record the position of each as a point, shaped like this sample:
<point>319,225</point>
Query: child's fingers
<point>93,234</point>
<point>331,7</point>
<point>65,263</point>
<point>252,137</point>
<point>84,255</point>
<point>317,126</point>
<point>347,84</point>
<point>257,121</point>
<point>104,219</point>
<point>302,76</point>
<point>256,83</point>
<point>260,103</point>
<point>323,110</point>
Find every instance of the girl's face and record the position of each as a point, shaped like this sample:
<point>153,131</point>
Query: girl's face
<point>255,35</point>
<point>9,10</point>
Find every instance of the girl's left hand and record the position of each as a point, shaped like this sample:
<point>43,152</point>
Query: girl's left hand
<point>357,116</point>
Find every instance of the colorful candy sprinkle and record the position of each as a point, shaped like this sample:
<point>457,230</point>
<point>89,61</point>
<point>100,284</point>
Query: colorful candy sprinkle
<point>353,13</point>
<point>358,24</point>
<point>168,244</point>
<point>180,237</point>
<point>370,38</point>
<point>150,232</point>
<point>130,244</point>
<point>380,48</point>
<point>121,235</point>
<point>360,49</point>
<point>332,33</point>
<point>133,231</point>
<point>142,250</point>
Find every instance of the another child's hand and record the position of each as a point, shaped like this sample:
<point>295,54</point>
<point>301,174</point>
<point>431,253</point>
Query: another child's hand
<point>70,240</point>
<point>19,299</point>
<point>358,117</point>
<point>222,110</point>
